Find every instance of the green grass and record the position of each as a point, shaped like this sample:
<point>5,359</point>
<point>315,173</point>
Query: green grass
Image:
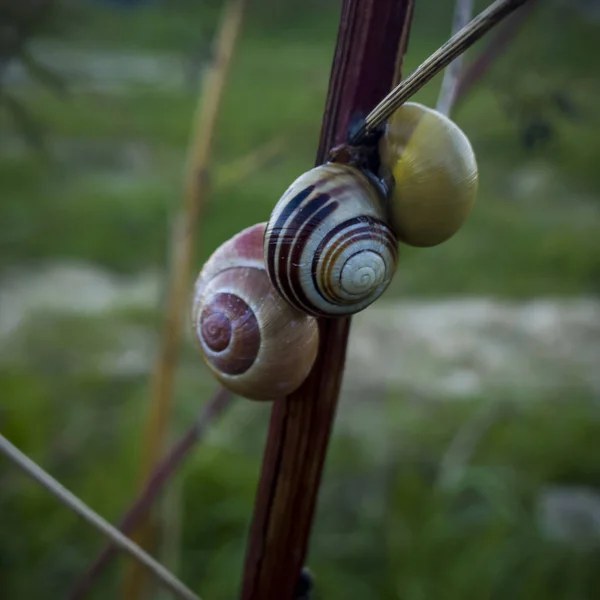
<point>539,243</point>
<point>384,530</point>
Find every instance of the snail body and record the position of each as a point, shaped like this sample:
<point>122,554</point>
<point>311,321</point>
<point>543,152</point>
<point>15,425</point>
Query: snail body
<point>328,248</point>
<point>253,341</point>
<point>433,174</point>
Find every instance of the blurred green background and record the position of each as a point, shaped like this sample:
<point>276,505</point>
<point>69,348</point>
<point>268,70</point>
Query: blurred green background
<point>465,461</point>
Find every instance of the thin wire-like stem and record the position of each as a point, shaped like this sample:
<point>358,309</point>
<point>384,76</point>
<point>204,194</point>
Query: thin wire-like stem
<point>462,15</point>
<point>241,168</point>
<point>196,191</point>
<point>439,60</point>
<point>94,519</point>
<point>163,473</point>
<point>465,443</point>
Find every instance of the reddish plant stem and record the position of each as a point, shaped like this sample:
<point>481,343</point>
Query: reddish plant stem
<point>162,474</point>
<point>372,38</point>
<point>496,47</point>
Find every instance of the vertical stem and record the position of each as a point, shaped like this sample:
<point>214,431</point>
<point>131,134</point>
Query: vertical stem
<point>462,15</point>
<point>195,195</point>
<point>372,35</point>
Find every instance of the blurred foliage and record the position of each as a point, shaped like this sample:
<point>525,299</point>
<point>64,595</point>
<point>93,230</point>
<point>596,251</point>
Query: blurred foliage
<point>386,528</point>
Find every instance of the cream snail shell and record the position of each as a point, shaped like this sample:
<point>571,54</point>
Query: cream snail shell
<point>328,248</point>
<point>434,174</point>
<point>254,342</point>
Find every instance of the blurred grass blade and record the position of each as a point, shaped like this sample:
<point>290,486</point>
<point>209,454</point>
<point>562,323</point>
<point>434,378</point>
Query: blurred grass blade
<point>240,169</point>
<point>44,74</point>
<point>462,15</point>
<point>29,127</point>
<point>84,511</point>
<point>196,191</point>
<point>496,47</point>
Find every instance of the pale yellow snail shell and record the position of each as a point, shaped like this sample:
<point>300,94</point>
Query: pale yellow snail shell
<point>328,248</point>
<point>254,342</point>
<point>434,174</point>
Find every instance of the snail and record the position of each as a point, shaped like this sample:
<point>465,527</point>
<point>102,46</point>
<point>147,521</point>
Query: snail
<point>331,243</point>
<point>255,343</point>
<point>328,248</point>
<point>432,174</point>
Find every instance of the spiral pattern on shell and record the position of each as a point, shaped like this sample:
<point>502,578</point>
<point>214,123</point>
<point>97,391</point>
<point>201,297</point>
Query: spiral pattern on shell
<point>256,344</point>
<point>328,248</point>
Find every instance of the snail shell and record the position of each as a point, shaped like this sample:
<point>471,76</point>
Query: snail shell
<point>328,248</point>
<point>434,174</point>
<point>254,342</point>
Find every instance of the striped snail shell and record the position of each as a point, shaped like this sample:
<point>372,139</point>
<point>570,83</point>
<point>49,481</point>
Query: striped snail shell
<point>254,342</point>
<point>433,171</point>
<point>328,248</point>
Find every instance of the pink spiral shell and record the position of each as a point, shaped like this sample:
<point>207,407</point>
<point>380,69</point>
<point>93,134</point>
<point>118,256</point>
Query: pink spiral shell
<point>256,344</point>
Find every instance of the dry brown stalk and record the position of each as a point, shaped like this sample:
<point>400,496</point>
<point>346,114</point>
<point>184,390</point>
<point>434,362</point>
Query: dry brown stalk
<point>462,15</point>
<point>196,189</point>
<point>369,41</point>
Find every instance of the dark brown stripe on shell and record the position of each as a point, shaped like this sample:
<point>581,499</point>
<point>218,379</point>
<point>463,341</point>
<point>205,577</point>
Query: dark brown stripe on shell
<point>233,333</point>
<point>293,279</point>
<point>288,238</point>
<point>277,229</point>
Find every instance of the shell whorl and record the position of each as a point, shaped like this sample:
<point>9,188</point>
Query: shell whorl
<point>328,248</point>
<point>251,339</point>
<point>434,173</point>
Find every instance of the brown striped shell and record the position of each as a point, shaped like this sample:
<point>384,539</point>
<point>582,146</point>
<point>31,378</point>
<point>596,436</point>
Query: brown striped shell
<point>328,248</point>
<point>434,174</point>
<point>254,342</point>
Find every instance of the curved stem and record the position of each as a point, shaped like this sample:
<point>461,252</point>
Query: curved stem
<point>440,59</point>
<point>94,519</point>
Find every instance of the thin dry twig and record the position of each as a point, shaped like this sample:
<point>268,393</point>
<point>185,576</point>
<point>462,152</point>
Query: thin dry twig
<point>163,473</point>
<point>364,66</point>
<point>440,59</point>
<point>196,188</point>
<point>240,169</point>
<point>94,519</point>
<point>462,15</point>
